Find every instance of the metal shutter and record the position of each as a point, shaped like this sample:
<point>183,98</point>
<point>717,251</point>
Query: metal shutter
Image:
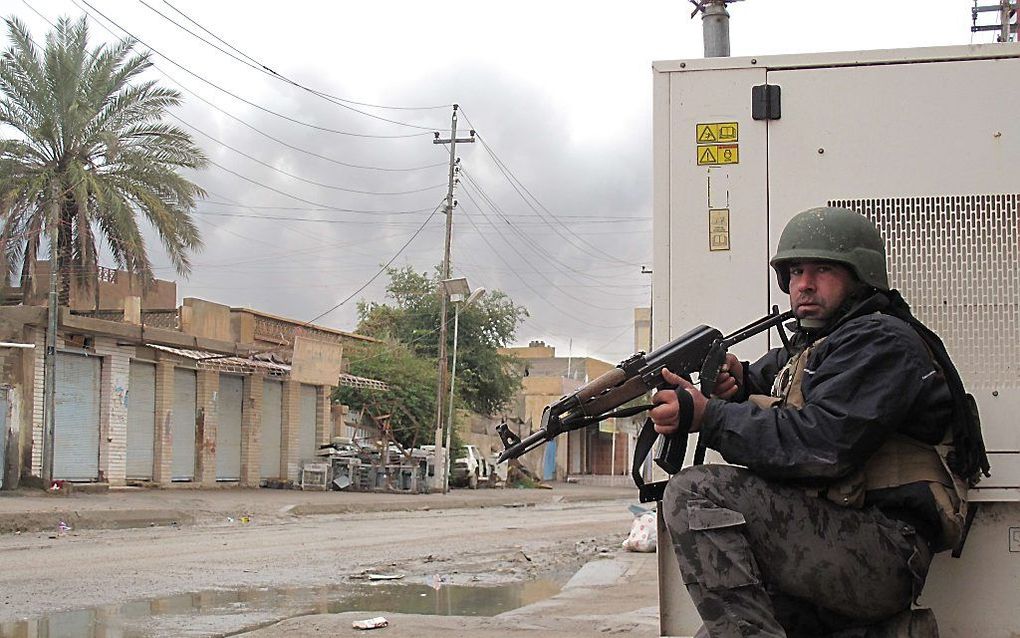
<point>76,418</point>
<point>141,419</point>
<point>182,426</point>
<point>3,434</point>
<point>272,423</point>
<point>306,430</point>
<point>228,430</point>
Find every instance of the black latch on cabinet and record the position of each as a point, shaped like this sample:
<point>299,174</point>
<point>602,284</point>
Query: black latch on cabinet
<point>765,102</point>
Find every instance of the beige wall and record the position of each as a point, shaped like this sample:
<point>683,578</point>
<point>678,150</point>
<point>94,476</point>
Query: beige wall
<point>595,368</point>
<point>162,295</point>
<point>530,352</point>
<point>206,319</point>
<point>642,329</point>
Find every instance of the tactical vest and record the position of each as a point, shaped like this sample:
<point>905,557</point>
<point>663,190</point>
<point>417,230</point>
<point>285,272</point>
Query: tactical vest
<point>900,461</point>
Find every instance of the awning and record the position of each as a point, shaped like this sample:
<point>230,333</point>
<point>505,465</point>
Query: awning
<point>258,364</point>
<point>224,363</point>
<point>352,381</point>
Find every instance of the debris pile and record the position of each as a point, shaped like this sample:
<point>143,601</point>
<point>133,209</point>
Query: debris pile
<point>374,467</point>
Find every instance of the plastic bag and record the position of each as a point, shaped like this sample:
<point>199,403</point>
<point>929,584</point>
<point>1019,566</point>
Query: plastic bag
<point>642,534</point>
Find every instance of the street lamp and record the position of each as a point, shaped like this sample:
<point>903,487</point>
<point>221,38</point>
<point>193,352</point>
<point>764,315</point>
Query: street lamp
<point>461,295</point>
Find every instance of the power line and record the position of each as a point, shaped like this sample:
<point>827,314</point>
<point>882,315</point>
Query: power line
<point>259,66</point>
<point>580,218</point>
<point>316,127</point>
<point>529,287</point>
<point>519,186</point>
<point>253,128</point>
<point>381,270</point>
<point>547,280</point>
<point>284,218</point>
<point>298,177</point>
<point>310,202</point>
<point>545,256</point>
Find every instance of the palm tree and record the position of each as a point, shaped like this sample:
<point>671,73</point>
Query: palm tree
<point>89,154</point>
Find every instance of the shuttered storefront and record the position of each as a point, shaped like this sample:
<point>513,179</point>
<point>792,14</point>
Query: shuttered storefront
<point>76,418</point>
<point>3,434</point>
<point>141,419</point>
<point>272,422</point>
<point>182,426</point>
<point>306,429</point>
<point>228,429</point>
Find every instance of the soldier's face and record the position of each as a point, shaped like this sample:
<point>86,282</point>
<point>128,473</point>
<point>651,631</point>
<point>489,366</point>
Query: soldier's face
<point>819,288</point>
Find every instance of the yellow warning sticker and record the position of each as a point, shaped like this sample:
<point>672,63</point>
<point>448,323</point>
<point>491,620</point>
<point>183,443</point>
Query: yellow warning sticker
<point>718,154</point>
<point>717,133</point>
<point>718,229</point>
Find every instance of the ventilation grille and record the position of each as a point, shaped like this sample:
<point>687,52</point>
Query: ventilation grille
<point>957,262</point>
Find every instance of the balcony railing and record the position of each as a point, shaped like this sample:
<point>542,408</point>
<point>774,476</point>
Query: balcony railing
<point>166,319</point>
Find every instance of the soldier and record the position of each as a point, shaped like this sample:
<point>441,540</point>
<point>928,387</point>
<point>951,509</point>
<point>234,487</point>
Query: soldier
<point>858,446</point>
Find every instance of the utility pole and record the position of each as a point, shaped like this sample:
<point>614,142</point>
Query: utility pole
<point>715,26</point>
<point>441,451</point>
<point>50,355</point>
<point>1007,26</point>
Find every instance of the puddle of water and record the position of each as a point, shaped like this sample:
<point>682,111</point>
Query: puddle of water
<point>219,613</point>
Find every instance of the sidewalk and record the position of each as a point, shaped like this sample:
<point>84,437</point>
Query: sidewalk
<point>34,510</point>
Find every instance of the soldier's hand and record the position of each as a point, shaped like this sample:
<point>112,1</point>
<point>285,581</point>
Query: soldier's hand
<point>666,413</point>
<point>731,377</point>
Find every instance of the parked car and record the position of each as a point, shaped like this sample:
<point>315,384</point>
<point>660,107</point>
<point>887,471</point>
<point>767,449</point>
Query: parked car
<point>470,468</point>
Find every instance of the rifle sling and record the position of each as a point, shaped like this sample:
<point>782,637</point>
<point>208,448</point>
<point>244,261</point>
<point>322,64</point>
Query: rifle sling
<point>671,462</point>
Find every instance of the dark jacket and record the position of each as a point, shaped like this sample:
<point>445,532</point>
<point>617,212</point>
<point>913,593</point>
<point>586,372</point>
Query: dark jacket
<point>871,376</point>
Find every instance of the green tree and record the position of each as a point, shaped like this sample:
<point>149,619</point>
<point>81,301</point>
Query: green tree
<point>486,380</point>
<point>89,150</point>
<point>411,399</point>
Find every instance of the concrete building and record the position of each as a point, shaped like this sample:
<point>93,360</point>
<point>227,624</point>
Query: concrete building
<point>595,451</point>
<point>201,394</point>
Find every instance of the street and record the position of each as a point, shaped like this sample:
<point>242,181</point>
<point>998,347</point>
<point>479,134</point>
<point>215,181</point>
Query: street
<point>308,558</point>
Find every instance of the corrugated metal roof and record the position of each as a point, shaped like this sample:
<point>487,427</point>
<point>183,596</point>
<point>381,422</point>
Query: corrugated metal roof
<point>213,361</point>
<point>259,363</point>
<point>352,381</point>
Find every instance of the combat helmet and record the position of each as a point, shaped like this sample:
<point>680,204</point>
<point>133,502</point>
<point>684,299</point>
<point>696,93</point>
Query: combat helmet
<point>833,234</point>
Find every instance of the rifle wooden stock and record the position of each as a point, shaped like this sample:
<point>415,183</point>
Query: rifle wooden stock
<point>632,388</point>
<point>597,386</point>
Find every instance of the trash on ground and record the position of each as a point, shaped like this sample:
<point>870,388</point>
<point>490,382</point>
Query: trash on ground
<point>372,623</point>
<point>63,527</point>
<point>642,537</point>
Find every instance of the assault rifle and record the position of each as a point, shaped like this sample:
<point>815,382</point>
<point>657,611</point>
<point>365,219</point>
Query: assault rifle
<point>702,351</point>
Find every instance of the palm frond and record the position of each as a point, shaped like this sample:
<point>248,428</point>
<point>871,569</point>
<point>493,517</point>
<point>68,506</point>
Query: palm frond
<point>94,144</point>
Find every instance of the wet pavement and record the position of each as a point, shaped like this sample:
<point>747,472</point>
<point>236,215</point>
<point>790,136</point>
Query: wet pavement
<point>216,613</point>
<point>278,592</point>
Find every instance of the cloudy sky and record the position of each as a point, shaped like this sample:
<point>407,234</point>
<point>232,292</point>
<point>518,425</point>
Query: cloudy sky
<point>316,183</point>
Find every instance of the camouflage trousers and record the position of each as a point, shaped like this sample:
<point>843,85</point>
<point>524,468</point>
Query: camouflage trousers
<point>768,560</point>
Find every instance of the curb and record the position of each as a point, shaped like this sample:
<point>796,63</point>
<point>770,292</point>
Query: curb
<point>46,519</point>
<point>98,519</point>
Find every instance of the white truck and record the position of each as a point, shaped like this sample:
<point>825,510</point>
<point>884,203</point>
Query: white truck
<point>924,142</point>
<point>471,469</point>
